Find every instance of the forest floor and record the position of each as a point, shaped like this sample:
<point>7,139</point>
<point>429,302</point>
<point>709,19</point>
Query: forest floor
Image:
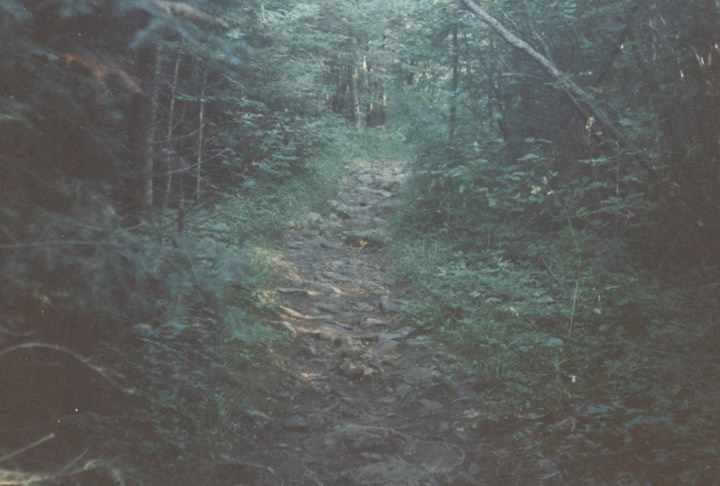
<point>360,397</point>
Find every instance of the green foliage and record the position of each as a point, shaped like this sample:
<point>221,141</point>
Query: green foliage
<point>534,241</point>
<point>88,267</point>
<point>455,184</point>
<point>257,212</point>
<point>151,313</point>
<point>576,336</point>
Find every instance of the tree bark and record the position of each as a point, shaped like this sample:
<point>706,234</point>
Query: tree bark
<point>455,60</point>
<point>385,103</point>
<point>200,141</point>
<point>143,123</point>
<point>580,98</point>
<point>170,162</point>
<point>369,104</point>
<point>357,111</point>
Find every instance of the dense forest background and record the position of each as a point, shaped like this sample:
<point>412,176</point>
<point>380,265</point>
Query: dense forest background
<point>559,225</point>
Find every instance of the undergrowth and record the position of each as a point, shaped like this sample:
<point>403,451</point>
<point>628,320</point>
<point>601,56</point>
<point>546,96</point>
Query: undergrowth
<point>611,364</point>
<point>130,355</point>
<point>613,367</point>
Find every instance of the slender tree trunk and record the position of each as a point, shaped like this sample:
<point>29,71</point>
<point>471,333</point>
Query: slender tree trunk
<point>357,110</point>
<point>141,132</point>
<point>181,209</point>
<point>371,105</point>
<point>201,125</point>
<point>372,108</point>
<point>497,99</point>
<point>339,100</point>
<point>471,87</point>
<point>617,47</point>
<point>170,155</point>
<point>182,169</point>
<point>455,60</point>
<point>149,67</point>
<point>382,114</point>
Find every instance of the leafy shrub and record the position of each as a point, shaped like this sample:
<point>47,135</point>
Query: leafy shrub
<point>531,283</point>
<point>593,347</point>
<point>105,324</point>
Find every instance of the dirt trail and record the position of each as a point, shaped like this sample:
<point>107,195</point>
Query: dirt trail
<point>366,406</point>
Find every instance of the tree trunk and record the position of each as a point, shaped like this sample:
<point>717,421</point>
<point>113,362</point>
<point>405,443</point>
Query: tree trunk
<point>372,113</point>
<point>170,155</point>
<point>142,130</point>
<point>617,47</point>
<point>497,99</point>
<point>201,124</point>
<point>385,102</point>
<point>357,111</point>
<point>455,60</point>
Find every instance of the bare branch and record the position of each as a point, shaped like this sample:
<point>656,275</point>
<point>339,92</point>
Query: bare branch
<point>15,333</point>
<point>38,442</point>
<point>43,244</point>
<point>66,471</point>
<point>61,349</point>
<point>190,12</point>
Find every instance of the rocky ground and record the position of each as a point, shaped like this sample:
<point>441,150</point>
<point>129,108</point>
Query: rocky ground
<point>365,403</point>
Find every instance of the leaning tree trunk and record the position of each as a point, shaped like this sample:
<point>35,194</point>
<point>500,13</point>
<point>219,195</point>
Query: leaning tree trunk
<point>580,98</point>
